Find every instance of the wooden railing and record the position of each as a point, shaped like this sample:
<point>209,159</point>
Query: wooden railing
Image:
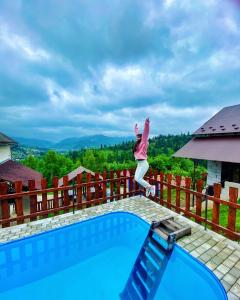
<point>172,192</point>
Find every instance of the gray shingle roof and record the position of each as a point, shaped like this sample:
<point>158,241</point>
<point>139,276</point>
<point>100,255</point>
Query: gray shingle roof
<point>6,140</point>
<point>226,121</point>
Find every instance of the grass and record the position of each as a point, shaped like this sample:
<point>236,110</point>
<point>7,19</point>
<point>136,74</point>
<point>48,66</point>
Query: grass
<point>223,215</point>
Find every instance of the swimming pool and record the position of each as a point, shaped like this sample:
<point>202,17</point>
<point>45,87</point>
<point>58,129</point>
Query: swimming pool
<point>92,260</point>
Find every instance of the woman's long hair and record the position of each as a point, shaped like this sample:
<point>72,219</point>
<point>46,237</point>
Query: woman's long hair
<point>134,149</point>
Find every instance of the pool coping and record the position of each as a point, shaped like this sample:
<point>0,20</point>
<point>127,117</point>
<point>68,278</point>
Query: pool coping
<point>219,254</point>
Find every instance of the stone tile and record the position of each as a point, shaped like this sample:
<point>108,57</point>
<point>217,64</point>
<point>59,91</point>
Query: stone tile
<point>230,279</point>
<point>226,285</point>
<point>231,296</point>
<point>235,272</point>
<point>235,289</point>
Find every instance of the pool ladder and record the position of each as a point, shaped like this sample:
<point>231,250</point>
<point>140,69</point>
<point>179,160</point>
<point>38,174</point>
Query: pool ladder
<point>152,259</point>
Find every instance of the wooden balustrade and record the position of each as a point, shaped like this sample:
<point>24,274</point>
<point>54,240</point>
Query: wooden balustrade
<point>174,192</point>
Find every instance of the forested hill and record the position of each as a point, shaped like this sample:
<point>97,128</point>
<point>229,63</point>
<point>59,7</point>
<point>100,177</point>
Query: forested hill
<point>159,144</point>
<point>116,157</point>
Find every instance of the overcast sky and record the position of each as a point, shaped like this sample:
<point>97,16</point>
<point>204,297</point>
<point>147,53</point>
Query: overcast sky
<point>72,68</point>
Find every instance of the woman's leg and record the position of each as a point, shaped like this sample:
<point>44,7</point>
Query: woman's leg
<point>141,170</point>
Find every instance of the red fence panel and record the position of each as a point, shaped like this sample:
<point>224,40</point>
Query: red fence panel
<point>33,199</point>
<point>216,206</point>
<point>199,199</point>
<point>19,201</point>
<point>66,200</point>
<point>44,196</point>
<point>55,195</point>
<point>233,196</point>
<point>4,204</point>
<point>178,202</point>
<point>79,191</point>
<point>169,190</point>
<point>187,186</point>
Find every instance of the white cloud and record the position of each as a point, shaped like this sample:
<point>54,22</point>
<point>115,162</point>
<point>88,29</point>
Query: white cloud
<point>21,45</point>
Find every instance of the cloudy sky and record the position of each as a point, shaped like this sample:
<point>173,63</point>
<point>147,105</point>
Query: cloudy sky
<point>79,67</point>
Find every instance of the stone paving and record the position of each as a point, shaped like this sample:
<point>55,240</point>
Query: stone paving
<point>220,254</point>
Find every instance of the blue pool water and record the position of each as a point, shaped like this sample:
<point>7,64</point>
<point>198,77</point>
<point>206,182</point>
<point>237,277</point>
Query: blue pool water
<point>92,260</point>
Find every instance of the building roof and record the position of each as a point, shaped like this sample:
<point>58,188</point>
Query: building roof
<point>226,121</point>
<point>216,148</point>
<point>6,140</point>
<point>73,175</point>
<point>12,171</point>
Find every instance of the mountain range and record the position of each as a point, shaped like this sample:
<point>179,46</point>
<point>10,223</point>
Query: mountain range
<point>74,143</point>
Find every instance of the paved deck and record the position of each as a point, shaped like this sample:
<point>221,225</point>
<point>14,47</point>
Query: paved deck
<point>221,255</point>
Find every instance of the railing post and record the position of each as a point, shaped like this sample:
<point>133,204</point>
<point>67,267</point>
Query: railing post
<point>111,185</point>
<point>88,189</point>
<point>199,199</point>
<point>4,204</point>
<point>44,196</point>
<point>130,182</point>
<point>155,174</point>
<point>233,196</point>
<point>118,172</point>
<point>104,187</point>
<point>150,176</point>
<point>169,190</point>
<point>178,184</point>
<point>79,191</point>
<point>97,195</point>
<point>19,201</point>
<point>188,193</point>
<point>124,184</point>
<point>161,187</point>
<point>33,199</point>
<point>66,200</point>
<point>55,195</point>
<point>216,206</point>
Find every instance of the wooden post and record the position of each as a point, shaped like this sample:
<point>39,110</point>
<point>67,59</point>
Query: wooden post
<point>104,187</point>
<point>199,199</point>
<point>33,199</point>
<point>44,196</point>
<point>19,201</point>
<point>79,191</point>
<point>178,200</point>
<point>169,190</point>
<point>88,180</point>
<point>150,176</point>
<point>118,184</point>
<point>66,200</point>
<point>130,182</point>
<point>111,185</point>
<point>156,185</point>
<point>125,184</point>
<point>55,195</point>
<point>161,187</point>
<point>4,204</point>
<point>233,196</point>
<point>188,192</point>
<point>97,194</point>
<point>216,206</point>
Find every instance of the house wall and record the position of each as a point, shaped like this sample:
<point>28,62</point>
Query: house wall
<point>5,153</point>
<point>214,169</point>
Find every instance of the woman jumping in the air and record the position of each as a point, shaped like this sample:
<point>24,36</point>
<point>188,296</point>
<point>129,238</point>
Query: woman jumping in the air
<point>140,154</point>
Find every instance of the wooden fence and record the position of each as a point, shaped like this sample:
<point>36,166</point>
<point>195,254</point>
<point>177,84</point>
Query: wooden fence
<point>172,192</point>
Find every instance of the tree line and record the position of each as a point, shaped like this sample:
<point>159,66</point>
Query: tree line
<point>118,157</point>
